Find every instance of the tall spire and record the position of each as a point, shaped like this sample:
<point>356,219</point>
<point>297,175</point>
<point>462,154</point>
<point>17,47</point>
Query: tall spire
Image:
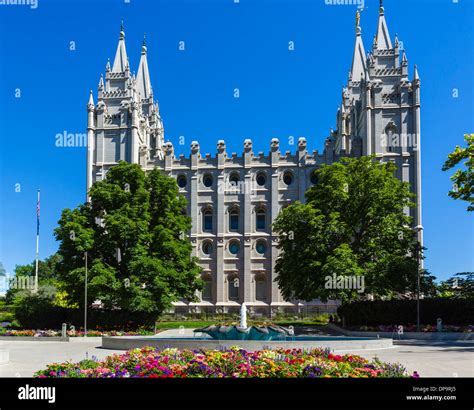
<point>143,76</point>
<point>120,62</point>
<point>90,104</point>
<point>383,36</point>
<point>404,58</point>
<point>416,76</point>
<point>359,59</point>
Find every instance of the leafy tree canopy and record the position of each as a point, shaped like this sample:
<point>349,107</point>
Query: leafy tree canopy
<point>353,224</point>
<point>47,274</point>
<point>459,286</point>
<point>134,230</point>
<point>463,179</point>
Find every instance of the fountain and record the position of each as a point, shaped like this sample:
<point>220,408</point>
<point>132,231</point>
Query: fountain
<point>243,332</point>
<point>249,338</point>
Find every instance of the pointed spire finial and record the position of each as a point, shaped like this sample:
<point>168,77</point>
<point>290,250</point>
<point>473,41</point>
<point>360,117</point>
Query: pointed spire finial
<point>143,75</point>
<point>122,30</point>
<point>383,36</point>
<point>358,30</point>
<point>91,100</point>
<point>359,56</point>
<point>416,76</point>
<point>144,44</point>
<point>107,66</point>
<point>120,61</point>
<point>101,82</point>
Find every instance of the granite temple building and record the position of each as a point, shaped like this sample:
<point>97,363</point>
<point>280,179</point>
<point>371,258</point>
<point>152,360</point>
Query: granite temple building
<point>233,199</point>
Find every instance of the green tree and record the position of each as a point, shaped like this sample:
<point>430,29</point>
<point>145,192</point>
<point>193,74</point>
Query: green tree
<point>352,224</point>
<point>47,274</point>
<point>463,179</point>
<point>134,232</point>
<point>459,286</point>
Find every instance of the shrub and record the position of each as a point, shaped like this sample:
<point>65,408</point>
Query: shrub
<point>38,311</point>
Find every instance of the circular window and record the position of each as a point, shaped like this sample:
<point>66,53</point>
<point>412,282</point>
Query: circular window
<point>207,180</point>
<point>261,179</point>
<point>314,177</point>
<point>261,247</point>
<point>234,248</point>
<point>207,248</point>
<point>234,178</point>
<point>288,178</point>
<point>181,181</point>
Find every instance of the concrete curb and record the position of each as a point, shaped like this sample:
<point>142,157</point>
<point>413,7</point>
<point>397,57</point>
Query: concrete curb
<point>131,342</point>
<point>435,336</point>
<point>50,339</point>
<point>96,339</point>
<point>34,339</point>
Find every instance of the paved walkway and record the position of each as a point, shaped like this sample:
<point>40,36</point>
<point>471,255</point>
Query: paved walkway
<point>432,359</point>
<point>429,359</point>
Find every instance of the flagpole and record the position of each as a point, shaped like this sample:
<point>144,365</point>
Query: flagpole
<point>37,240</point>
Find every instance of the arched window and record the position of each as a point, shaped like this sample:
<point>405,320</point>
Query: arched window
<point>234,218</point>
<point>392,137</point>
<point>261,219</point>
<point>207,290</point>
<point>233,287</point>
<point>234,178</point>
<point>207,220</point>
<point>260,289</point>
<point>314,177</point>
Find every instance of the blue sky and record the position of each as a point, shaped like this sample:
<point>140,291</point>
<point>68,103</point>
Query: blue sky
<point>227,46</point>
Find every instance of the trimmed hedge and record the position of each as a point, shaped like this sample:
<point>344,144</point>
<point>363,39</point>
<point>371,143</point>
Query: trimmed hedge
<point>403,312</point>
<point>36,314</point>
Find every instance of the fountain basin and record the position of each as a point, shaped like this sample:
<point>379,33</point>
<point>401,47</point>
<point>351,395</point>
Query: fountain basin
<point>336,343</point>
<point>246,333</point>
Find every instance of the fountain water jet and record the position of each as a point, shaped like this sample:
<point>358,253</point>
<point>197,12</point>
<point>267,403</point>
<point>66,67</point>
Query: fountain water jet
<point>243,316</point>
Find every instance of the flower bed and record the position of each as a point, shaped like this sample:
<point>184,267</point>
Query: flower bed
<point>70,333</point>
<point>172,363</point>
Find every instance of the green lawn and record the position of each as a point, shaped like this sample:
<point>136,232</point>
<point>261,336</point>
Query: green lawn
<point>186,324</point>
<point>191,324</point>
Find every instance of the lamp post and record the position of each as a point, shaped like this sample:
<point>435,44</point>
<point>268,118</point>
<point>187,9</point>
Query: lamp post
<point>418,250</point>
<point>85,297</point>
